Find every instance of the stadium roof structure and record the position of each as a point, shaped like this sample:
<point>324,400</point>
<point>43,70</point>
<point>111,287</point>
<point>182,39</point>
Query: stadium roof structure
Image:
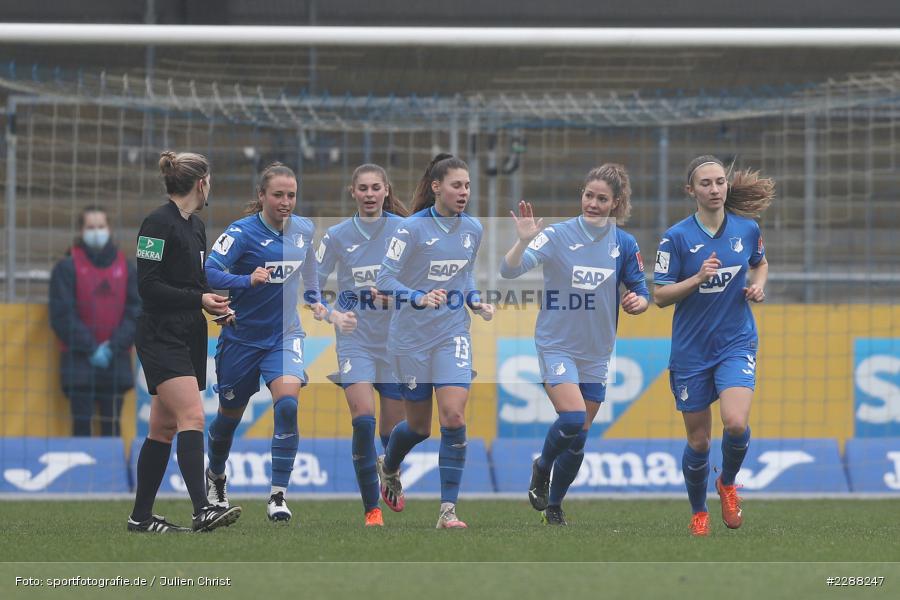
<point>269,108</point>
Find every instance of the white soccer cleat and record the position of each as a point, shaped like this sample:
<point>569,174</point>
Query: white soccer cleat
<point>277,509</point>
<point>216,493</point>
<point>448,518</point>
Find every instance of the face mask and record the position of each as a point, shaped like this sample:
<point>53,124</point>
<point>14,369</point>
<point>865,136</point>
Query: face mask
<point>95,239</point>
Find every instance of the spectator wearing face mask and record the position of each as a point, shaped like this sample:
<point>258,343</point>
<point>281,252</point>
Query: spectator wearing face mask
<point>94,304</point>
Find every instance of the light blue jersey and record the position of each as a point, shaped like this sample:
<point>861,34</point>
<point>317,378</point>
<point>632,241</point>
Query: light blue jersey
<point>714,322</point>
<point>583,269</point>
<point>266,313</point>
<point>428,252</point>
<point>356,248</point>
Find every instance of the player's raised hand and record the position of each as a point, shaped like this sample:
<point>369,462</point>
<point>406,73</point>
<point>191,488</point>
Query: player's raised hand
<point>215,304</point>
<point>709,268</point>
<point>345,321</point>
<point>260,276</point>
<point>526,227</point>
<point>634,304</point>
<point>754,293</point>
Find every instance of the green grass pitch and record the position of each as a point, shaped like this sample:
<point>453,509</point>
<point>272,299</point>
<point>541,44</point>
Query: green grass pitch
<point>633,549</point>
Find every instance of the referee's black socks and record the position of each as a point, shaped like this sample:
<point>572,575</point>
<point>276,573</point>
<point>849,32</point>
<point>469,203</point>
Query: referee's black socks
<point>151,467</point>
<point>190,461</point>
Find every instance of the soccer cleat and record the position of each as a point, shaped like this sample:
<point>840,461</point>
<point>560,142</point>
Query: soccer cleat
<point>155,524</point>
<point>391,488</point>
<point>277,509</point>
<point>374,518</point>
<point>700,524</point>
<point>731,504</point>
<point>539,488</point>
<point>448,518</point>
<point>212,517</point>
<point>553,515</point>
<point>215,490</point>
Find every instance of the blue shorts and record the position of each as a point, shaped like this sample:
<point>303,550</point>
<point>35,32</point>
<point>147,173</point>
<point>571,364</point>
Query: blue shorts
<point>448,363</point>
<point>696,391</point>
<point>239,368</point>
<point>590,376</point>
<point>361,366</point>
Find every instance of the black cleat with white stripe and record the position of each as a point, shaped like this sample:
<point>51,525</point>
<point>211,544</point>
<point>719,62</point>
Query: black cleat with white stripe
<point>155,524</point>
<point>212,517</point>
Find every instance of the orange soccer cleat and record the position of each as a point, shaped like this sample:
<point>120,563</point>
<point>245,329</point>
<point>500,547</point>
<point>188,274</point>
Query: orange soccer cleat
<point>731,504</point>
<point>700,524</point>
<point>374,518</point>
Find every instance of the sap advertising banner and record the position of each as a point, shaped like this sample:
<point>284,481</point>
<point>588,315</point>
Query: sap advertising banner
<point>63,465</point>
<point>259,403</point>
<point>325,466</point>
<point>876,387</point>
<point>655,466</point>
<point>523,409</point>
<point>873,465</point>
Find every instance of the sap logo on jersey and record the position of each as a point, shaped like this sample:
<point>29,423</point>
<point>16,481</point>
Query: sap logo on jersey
<point>282,269</point>
<point>718,282</point>
<point>444,270</point>
<point>589,278</point>
<point>365,276</point>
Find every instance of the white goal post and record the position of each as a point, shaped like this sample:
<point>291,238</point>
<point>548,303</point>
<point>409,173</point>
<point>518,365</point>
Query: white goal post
<point>509,37</point>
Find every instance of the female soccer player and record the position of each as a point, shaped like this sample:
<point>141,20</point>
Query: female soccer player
<point>171,342</point>
<point>428,269</point>
<point>711,265</point>
<point>584,260</point>
<point>261,259</point>
<point>356,248</point>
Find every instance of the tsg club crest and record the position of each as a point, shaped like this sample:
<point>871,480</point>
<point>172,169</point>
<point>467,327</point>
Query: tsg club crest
<point>466,240</point>
<point>613,250</point>
<point>299,241</point>
<point>736,244</point>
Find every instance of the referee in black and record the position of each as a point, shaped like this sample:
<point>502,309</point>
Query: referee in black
<point>171,342</point>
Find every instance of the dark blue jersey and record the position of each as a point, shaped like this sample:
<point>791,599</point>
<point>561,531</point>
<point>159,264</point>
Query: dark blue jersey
<point>716,319</point>
<point>268,312</point>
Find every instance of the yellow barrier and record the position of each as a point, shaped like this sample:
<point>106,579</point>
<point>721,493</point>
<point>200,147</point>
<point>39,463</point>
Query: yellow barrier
<point>804,388</point>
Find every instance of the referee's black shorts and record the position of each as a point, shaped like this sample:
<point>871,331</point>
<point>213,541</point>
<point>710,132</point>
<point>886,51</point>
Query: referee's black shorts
<point>172,345</point>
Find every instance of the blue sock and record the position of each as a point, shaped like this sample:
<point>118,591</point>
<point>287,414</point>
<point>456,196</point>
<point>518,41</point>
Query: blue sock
<point>560,436</point>
<point>403,439</point>
<point>566,467</point>
<point>364,460</point>
<point>285,440</point>
<point>220,436</point>
<point>734,449</point>
<point>384,441</point>
<point>695,466</point>
<point>452,461</point>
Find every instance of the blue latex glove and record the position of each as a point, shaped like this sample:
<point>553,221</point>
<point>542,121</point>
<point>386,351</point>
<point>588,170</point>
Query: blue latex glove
<point>102,356</point>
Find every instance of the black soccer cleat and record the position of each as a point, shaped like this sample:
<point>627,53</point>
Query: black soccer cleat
<point>211,517</point>
<point>539,488</point>
<point>553,515</point>
<point>155,524</point>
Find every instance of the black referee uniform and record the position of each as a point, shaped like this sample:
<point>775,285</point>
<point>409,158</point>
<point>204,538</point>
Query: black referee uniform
<point>171,337</point>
